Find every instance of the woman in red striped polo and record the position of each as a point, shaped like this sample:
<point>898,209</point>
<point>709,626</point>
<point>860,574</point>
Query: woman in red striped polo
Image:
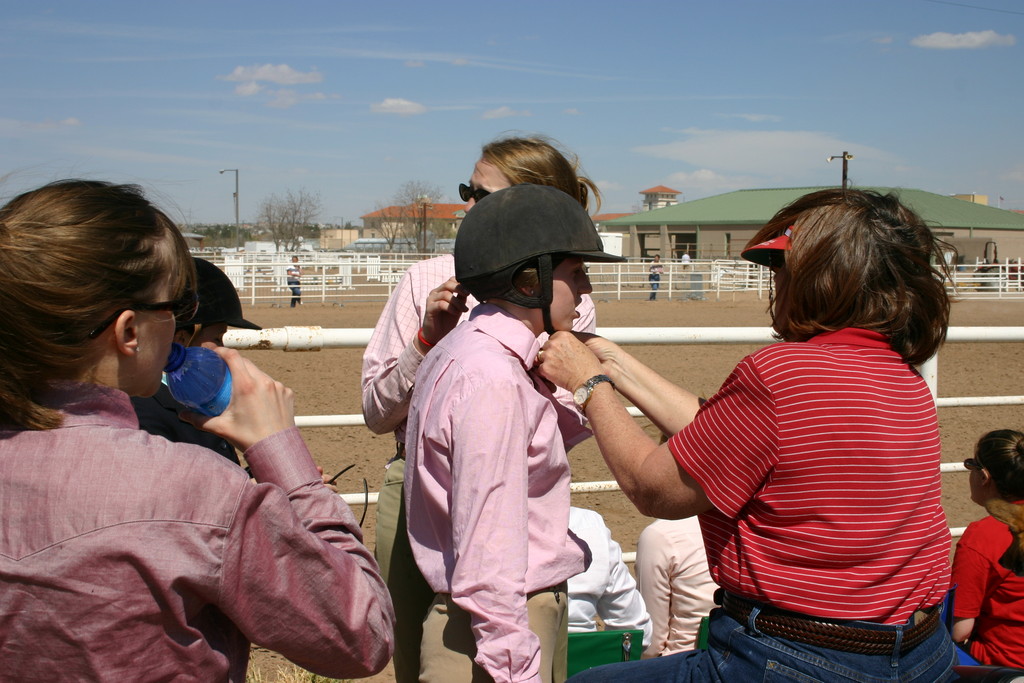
<point>814,469</point>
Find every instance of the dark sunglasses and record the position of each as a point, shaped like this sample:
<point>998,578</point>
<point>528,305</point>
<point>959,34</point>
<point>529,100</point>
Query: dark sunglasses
<point>973,465</point>
<point>184,309</point>
<point>475,193</point>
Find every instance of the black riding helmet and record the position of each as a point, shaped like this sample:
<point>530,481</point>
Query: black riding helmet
<point>218,300</point>
<point>518,227</point>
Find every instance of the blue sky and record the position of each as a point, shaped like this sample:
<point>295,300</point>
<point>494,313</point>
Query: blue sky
<point>353,99</point>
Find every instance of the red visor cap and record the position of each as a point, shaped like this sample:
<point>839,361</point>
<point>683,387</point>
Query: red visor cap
<point>771,253</point>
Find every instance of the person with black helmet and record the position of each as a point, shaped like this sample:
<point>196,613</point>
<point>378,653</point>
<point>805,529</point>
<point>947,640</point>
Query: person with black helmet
<point>487,478</point>
<point>425,305</point>
<point>219,308</point>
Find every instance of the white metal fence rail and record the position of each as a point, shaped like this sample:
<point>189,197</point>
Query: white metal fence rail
<point>316,338</point>
<point>336,278</point>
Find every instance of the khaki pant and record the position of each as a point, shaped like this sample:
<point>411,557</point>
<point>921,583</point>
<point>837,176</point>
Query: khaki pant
<point>410,592</point>
<point>449,646</point>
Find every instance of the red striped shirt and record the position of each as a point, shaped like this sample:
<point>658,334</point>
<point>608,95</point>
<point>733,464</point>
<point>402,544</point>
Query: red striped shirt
<point>822,462</point>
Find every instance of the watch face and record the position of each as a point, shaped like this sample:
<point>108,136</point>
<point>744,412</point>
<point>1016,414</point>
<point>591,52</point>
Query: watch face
<point>580,396</point>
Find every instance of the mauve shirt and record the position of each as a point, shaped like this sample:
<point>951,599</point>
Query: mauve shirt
<point>125,557</point>
<point>487,484</point>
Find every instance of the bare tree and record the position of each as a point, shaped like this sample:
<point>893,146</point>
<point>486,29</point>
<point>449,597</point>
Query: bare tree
<point>405,217</point>
<point>391,222</point>
<point>417,196</point>
<point>289,218</point>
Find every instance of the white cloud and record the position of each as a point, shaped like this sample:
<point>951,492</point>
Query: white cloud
<point>415,63</point>
<point>396,105</point>
<point>12,126</point>
<point>281,74</point>
<point>136,156</point>
<point>972,40</point>
<point>460,61</point>
<point>1015,174</point>
<point>705,182</point>
<point>247,89</point>
<point>754,118</point>
<point>770,154</point>
<point>572,111</point>
<point>504,113</point>
<point>285,98</point>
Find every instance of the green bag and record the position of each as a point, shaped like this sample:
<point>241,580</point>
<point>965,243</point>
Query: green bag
<point>587,650</point>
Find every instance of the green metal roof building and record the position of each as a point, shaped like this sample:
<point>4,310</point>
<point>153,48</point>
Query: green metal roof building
<point>720,226</point>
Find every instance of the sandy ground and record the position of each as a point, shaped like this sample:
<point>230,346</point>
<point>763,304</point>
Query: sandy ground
<point>327,382</point>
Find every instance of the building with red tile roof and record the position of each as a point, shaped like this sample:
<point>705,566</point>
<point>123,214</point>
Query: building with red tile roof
<point>659,196</point>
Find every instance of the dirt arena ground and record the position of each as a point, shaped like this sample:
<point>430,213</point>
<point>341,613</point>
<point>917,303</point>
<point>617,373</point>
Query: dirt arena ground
<point>327,382</point>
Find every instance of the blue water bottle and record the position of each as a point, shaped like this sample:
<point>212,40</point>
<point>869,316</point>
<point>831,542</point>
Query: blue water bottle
<point>199,379</point>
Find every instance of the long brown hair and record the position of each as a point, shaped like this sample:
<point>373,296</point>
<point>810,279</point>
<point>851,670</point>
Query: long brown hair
<point>860,259</point>
<point>537,160</point>
<point>71,253</point>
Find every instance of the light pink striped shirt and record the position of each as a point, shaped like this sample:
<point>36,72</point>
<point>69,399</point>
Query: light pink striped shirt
<point>822,462</point>
<point>391,357</point>
<point>487,484</point>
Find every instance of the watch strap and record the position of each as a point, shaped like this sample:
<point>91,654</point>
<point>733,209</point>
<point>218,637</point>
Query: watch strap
<point>589,386</point>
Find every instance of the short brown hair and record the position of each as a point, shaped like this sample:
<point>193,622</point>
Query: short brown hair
<point>71,253</point>
<point>537,160</point>
<point>861,259</point>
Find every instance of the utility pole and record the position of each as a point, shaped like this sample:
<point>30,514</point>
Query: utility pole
<point>424,205</point>
<point>845,156</point>
<point>235,171</point>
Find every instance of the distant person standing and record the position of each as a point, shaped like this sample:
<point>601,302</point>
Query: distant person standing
<point>294,275</point>
<point>654,278</point>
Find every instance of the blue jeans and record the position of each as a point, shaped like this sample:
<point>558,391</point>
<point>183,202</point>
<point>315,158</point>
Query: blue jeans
<point>736,654</point>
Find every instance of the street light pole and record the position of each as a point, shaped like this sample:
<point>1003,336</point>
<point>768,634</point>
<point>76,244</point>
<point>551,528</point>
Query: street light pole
<point>235,171</point>
<point>846,156</point>
<point>425,204</point>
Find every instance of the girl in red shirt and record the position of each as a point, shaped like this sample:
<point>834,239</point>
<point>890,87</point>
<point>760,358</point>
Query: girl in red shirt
<point>988,617</point>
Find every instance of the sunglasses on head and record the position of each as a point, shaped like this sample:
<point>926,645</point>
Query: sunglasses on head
<point>184,309</point>
<point>468,192</point>
<point>973,465</point>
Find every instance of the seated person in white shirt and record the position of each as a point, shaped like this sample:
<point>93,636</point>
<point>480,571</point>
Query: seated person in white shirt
<point>606,590</point>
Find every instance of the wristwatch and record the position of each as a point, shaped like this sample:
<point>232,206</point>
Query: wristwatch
<point>581,397</point>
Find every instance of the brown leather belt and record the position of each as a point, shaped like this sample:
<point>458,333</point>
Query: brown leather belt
<point>830,634</point>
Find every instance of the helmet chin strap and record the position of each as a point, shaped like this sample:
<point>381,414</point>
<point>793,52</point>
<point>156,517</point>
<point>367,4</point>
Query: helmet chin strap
<point>548,327</point>
<point>544,270</point>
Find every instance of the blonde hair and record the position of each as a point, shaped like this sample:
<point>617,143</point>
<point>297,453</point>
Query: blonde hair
<point>537,160</point>
<point>71,253</point>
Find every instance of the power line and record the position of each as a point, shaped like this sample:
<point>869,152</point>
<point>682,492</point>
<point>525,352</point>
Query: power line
<point>963,4</point>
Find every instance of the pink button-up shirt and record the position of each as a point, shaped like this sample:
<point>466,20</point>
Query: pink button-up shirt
<point>391,358</point>
<point>125,557</point>
<point>487,484</point>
